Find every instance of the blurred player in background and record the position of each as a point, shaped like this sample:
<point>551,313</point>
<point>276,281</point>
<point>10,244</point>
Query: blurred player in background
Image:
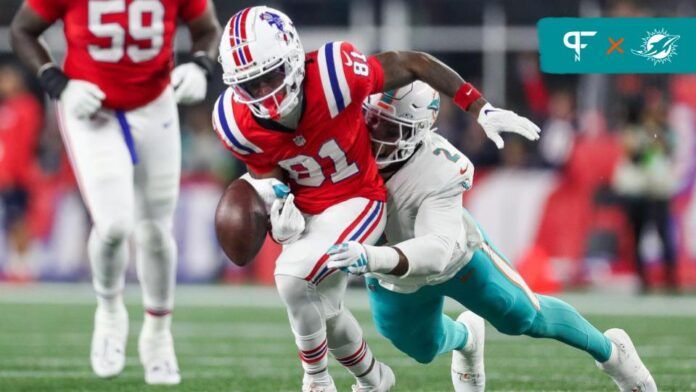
<point>296,114</point>
<point>119,122</point>
<point>22,116</point>
<point>438,250</point>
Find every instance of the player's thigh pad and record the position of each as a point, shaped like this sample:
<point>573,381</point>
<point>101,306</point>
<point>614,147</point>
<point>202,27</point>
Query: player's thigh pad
<point>156,134</point>
<point>103,168</point>
<point>356,219</point>
<point>491,288</point>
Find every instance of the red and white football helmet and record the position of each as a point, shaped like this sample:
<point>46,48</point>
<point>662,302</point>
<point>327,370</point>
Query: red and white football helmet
<point>263,61</point>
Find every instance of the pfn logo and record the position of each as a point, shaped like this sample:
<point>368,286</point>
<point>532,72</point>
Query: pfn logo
<point>572,40</point>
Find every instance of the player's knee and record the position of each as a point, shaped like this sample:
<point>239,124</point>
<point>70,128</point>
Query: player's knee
<point>421,348</point>
<point>153,234</point>
<point>115,231</point>
<point>518,321</point>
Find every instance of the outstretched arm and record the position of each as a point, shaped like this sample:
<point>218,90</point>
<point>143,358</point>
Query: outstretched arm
<point>403,67</point>
<point>436,231</point>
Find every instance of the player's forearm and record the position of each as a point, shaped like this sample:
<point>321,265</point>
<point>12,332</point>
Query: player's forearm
<point>25,32</point>
<point>426,255</point>
<point>404,67</point>
<point>205,33</point>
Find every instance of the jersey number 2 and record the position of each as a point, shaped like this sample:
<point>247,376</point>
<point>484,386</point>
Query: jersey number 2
<point>305,170</point>
<point>137,29</point>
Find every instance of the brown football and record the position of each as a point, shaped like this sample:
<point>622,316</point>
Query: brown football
<point>241,222</point>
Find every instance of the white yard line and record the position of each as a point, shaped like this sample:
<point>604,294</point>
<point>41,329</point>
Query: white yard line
<point>598,303</point>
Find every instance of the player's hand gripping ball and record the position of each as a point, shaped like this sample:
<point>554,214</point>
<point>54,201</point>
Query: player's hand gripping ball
<point>287,221</point>
<point>241,222</point>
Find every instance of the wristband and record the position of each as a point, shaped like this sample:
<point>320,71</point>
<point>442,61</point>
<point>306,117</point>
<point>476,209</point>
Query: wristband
<point>466,95</point>
<point>202,60</point>
<point>52,80</point>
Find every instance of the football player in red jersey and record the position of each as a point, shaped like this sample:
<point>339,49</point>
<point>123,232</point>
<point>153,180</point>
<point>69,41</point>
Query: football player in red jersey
<point>117,98</point>
<point>297,117</point>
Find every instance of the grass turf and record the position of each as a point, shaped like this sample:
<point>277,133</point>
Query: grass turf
<point>45,348</point>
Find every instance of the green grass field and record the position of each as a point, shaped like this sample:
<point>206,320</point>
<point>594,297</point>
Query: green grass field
<point>228,344</point>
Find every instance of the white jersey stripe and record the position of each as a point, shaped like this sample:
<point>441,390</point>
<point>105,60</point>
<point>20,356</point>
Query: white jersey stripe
<point>340,75</point>
<point>511,274</point>
<point>326,82</point>
<point>218,127</point>
<point>236,132</point>
<point>226,126</point>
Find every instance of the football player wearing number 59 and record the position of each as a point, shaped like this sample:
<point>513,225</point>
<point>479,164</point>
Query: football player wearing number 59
<point>297,117</point>
<point>116,102</point>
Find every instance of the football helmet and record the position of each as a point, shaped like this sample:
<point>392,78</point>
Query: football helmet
<point>263,61</point>
<point>400,119</point>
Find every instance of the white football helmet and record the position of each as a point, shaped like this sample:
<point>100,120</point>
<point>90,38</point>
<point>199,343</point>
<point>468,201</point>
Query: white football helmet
<point>400,119</point>
<point>263,61</point>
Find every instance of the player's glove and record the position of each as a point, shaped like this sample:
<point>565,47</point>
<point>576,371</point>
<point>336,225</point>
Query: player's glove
<point>350,257</point>
<point>494,121</point>
<point>358,259</point>
<point>82,98</point>
<point>190,80</point>
<point>287,222</point>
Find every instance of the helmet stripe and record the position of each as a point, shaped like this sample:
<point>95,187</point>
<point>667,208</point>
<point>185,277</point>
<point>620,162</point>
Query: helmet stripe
<point>233,39</point>
<point>246,51</point>
<point>237,37</point>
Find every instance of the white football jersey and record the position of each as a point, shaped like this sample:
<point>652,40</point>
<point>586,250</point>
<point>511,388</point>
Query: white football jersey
<point>426,219</point>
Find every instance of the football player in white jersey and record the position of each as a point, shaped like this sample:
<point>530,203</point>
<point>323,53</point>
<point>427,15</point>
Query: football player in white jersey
<point>436,250</point>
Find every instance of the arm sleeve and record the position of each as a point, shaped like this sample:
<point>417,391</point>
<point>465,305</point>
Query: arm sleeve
<point>191,9</point>
<point>49,10</point>
<point>437,230</point>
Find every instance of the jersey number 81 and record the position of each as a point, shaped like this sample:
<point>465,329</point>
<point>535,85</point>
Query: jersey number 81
<point>306,171</point>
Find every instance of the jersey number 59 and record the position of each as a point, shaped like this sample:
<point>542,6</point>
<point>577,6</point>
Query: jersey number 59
<point>137,29</point>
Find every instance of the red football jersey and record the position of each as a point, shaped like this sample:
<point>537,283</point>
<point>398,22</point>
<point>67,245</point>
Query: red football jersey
<point>328,157</point>
<point>123,46</point>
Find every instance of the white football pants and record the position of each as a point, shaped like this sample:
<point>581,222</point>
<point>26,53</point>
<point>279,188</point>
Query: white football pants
<point>128,166</point>
<point>313,294</point>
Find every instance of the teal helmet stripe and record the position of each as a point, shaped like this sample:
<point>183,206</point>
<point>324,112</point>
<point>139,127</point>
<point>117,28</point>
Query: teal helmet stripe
<point>435,104</point>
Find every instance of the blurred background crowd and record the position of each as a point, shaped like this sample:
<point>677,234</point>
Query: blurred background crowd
<point>605,198</point>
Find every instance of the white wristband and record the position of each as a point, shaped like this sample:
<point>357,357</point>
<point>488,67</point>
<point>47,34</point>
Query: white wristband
<point>381,259</point>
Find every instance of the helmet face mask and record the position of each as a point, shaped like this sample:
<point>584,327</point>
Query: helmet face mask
<point>393,140</point>
<point>263,61</point>
<point>399,120</point>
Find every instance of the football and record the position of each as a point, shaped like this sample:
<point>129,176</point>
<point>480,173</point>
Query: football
<point>241,222</point>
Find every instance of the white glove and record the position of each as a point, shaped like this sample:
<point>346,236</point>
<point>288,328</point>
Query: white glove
<point>287,222</point>
<point>189,83</point>
<point>82,98</point>
<point>495,121</point>
<point>358,259</point>
<point>350,257</point>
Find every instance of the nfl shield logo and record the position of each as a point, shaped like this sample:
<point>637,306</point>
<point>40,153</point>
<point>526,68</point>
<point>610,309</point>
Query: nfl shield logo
<point>299,141</point>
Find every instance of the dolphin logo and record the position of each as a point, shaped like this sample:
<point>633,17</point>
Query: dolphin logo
<point>658,47</point>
